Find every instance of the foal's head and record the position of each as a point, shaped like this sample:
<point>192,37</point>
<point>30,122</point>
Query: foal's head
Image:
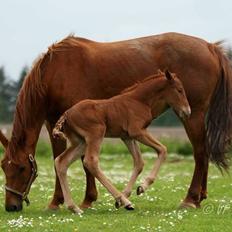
<point>174,95</point>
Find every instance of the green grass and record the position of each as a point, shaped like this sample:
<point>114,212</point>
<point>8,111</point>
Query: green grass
<point>174,146</point>
<point>156,210</point>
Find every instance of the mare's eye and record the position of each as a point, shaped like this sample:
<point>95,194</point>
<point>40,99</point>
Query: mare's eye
<point>21,168</point>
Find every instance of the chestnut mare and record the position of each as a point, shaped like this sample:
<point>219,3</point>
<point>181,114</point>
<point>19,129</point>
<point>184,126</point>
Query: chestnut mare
<point>76,69</point>
<point>124,116</point>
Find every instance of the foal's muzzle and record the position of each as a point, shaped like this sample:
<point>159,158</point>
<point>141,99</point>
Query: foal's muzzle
<point>185,112</point>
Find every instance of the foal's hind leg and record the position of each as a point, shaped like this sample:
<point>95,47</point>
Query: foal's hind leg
<point>148,140</point>
<point>138,164</point>
<point>91,161</point>
<point>62,163</point>
<point>91,189</point>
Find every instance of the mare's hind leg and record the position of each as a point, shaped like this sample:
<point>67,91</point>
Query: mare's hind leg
<point>91,161</point>
<point>62,162</point>
<point>203,194</point>
<point>58,146</point>
<point>195,128</point>
<point>148,140</point>
<point>138,164</point>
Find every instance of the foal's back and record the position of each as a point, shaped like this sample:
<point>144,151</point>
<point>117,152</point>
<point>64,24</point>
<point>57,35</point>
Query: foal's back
<point>111,117</point>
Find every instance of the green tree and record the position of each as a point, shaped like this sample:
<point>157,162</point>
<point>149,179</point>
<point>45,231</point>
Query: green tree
<point>6,97</point>
<point>8,94</point>
<point>22,76</point>
<point>16,86</point>
<point>229,53</point>
<point>168,118</point>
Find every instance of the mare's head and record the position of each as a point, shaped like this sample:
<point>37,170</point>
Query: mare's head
<point>174,95</point>
<point>19,175</point>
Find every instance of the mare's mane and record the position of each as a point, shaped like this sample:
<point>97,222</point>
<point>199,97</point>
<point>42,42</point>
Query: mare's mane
<point>31,98</point>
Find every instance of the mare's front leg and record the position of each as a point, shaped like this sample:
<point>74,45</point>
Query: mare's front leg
<point>195,128</point>
<point>62,162</point>
<point>91,161</point>
<point>58,146</point>
<point>161,150</point>
<point>138,164</point>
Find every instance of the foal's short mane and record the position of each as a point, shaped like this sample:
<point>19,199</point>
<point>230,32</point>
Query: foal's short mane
<point>132,87</point>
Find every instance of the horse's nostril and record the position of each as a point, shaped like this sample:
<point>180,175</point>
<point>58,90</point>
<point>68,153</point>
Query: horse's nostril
<point>13,208</point>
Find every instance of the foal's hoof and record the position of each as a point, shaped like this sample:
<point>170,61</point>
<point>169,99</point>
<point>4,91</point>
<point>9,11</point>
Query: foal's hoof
<point>75,209</point>
<point>140,190</point>
<point>118,204</point>
<point>129,207</point>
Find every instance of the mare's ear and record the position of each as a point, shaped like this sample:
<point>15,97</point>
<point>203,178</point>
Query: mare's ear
<point>3,140</point>
<point>168,75</point>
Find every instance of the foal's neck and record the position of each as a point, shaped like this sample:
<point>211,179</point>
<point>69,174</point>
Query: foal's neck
<point>150,91</point>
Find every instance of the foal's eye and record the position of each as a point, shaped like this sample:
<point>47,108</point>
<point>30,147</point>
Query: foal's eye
<point>179,90</point>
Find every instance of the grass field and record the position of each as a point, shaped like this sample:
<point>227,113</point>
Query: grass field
<point>156,210</point>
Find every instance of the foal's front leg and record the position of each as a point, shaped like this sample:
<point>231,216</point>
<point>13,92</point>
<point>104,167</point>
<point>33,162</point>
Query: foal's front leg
<point>62,162</point>
<point>91,161</point>
<point>138,164</point>
<point>148,140</point>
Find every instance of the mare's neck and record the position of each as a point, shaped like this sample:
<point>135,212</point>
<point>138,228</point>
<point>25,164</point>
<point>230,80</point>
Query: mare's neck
<point>25,132</point>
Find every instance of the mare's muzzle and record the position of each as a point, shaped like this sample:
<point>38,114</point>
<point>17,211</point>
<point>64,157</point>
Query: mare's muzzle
<point>23,195</point>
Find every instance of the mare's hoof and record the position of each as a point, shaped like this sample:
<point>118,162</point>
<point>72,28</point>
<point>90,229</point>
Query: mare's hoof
<point>140,190</point>
<point>188,205</point>
<point>85,205</point>
<point>129,207</point>
<point>53,207</point>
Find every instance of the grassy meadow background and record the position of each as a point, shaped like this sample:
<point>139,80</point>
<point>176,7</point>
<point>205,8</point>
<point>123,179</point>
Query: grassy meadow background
<point>156,210</point>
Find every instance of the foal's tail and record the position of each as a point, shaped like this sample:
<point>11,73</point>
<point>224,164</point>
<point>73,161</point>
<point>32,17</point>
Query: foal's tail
<point>219,119</point>
<point>58,131</point>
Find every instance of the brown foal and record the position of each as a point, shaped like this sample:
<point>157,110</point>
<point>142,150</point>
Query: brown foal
<point>125,116</point>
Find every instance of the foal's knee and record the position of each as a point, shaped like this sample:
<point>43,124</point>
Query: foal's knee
<point>140,166</point>
<point>60,169</point>
<point>91,163</point>
<point>163,152</point>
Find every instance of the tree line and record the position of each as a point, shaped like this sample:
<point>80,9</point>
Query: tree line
<point>9,90</point>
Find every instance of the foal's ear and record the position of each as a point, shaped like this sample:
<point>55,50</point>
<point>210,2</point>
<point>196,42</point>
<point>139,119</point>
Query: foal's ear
<point>160,72</point>
<point>3,140</point>
<point>168,75</point>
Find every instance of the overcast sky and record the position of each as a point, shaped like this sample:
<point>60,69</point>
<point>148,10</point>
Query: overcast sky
<point>28,27</point>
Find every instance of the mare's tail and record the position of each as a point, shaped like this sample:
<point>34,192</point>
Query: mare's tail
<point>219,119</point>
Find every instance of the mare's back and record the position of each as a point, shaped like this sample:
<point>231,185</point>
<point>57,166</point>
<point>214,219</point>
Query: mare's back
<point>101,70</point>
